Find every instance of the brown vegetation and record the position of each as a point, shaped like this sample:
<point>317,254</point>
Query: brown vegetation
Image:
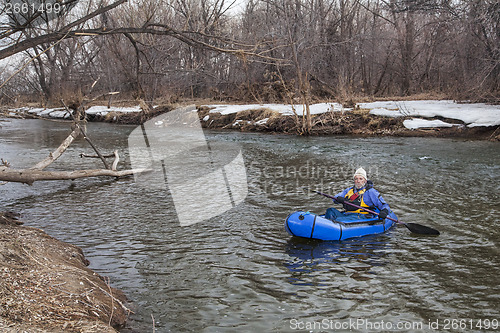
<point>45,285</point>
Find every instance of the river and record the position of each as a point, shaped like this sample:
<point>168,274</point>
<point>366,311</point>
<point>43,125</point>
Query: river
<point>242,271</point>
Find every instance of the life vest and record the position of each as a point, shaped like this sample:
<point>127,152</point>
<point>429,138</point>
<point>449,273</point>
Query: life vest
<point>357,199</point>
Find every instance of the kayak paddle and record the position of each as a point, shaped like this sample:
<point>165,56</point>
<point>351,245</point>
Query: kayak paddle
<point>413,227</point>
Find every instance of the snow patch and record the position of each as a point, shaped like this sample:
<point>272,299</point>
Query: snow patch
<point>101,110</point>
<point>61,113</point>
<point>285,109</point>
<point>386,112</point>
<point>476,114</point>
<point>424,123</point>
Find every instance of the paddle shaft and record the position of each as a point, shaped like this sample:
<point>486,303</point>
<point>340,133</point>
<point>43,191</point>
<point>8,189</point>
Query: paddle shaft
<point>359,207</point>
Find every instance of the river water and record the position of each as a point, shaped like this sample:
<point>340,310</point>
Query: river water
<point>242,271</point>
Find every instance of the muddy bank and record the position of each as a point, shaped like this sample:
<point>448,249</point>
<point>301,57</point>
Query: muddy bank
<point>45,285</point>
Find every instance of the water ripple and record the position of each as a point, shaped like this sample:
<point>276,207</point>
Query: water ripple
<point>242,271</point>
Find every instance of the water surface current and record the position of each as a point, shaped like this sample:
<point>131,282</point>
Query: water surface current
<point>242,271</point>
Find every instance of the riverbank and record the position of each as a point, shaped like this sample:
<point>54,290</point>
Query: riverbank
<point>356,122</point>
<point>431,118</point>
<point>45,285</point>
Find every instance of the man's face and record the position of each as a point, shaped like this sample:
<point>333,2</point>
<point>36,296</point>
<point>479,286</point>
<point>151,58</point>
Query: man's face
<point>359,181</point>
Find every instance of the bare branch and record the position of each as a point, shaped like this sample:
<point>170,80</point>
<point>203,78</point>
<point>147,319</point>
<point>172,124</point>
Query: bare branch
<point>165,31</point>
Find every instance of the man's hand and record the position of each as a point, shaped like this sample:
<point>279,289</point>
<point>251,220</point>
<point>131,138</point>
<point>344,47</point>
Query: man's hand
<point>340,199</point>
<point>383,213</point>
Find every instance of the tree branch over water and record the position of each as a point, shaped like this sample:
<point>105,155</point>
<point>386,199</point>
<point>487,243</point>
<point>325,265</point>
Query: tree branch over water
<point>152,30</point>
<point>36,173</point>
<point>29,176</point>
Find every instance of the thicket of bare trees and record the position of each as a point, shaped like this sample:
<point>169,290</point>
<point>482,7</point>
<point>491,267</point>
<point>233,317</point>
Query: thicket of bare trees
<point>272,50</point>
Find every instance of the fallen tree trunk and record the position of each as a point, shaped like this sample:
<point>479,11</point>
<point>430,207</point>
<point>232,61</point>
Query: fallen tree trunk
<point>29,176</point>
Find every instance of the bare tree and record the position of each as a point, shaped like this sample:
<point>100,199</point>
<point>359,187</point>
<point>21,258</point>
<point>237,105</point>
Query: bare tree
<point>194,48</point>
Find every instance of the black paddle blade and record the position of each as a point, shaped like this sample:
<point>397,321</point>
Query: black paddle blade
<point>421,229</point>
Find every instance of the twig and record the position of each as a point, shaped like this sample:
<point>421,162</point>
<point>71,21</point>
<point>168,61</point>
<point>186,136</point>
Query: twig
<point>112,304</point>
<point>115,162</point>
<point>492,136</point>
<point>114,298</point>
<point>84,133</point>
<point>95,156</point>
<point>33,258</point>
<point>115,155</point>
<point>81,111</point>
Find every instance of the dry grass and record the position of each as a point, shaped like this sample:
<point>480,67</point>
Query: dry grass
<point>46,286</point>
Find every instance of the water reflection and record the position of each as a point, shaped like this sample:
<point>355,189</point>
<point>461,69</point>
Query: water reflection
<point>355,258</point>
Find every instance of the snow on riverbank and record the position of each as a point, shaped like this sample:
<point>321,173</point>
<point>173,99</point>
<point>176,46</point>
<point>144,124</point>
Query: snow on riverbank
<point>103,110</point>
<point>285,109</point>
<point>424,123</point>
<point>472,115</point>
<point>61,113</point>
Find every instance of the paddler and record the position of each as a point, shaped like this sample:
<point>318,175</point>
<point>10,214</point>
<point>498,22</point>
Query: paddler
<point>361,194</point>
